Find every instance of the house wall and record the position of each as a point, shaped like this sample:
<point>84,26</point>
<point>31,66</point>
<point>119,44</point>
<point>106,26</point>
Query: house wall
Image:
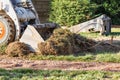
<point>42,7</point>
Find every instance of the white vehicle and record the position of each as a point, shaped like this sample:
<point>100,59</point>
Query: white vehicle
<point>15,17</point>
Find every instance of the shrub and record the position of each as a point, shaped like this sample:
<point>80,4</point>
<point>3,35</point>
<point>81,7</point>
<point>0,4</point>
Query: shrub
<point>109,7</point>
<point>68,13</point>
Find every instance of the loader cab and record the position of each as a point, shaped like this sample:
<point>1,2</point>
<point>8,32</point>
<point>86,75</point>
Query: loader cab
<point>13,2</point>
<point>25,12</point>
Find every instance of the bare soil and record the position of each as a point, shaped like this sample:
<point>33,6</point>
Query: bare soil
<point>16,63</point>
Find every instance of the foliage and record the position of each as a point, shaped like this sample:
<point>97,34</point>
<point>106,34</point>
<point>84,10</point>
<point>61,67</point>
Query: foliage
<point>109,7</point>
<point>2,49</point>
<point>68,13</point>
<point>27,74</point>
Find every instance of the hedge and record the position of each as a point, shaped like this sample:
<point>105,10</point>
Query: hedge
<point>71,12</point>
<point>110,8</point>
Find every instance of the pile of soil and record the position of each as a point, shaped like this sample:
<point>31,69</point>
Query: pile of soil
<point>17,49</point>
<point>63,42</point>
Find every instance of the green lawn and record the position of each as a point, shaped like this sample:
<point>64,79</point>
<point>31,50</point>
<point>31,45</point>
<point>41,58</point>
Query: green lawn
<point>87,57</point>
<point>27,74</point>
<point>114,32</point>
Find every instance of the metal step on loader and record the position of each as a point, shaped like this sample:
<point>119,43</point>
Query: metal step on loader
<point>19,21</point>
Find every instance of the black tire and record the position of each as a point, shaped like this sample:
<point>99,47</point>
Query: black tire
<point>7,30</point>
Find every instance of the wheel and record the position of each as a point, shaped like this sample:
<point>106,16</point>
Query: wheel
<point>7,30</point>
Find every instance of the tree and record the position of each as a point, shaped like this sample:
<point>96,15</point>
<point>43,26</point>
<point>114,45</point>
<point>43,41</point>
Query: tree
<point>110,8</point>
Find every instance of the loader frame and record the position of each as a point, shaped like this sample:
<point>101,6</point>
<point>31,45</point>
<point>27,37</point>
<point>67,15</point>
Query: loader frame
<point>7,7</point>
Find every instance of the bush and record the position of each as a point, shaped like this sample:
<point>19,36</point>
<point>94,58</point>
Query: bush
<point>110,8</point>
<point>68,13</point>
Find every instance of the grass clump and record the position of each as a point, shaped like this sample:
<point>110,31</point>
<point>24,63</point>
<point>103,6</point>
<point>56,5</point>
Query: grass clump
<point>2,49</point>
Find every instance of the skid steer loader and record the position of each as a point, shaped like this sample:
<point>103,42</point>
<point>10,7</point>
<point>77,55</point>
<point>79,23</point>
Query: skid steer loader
<point>19,21</point>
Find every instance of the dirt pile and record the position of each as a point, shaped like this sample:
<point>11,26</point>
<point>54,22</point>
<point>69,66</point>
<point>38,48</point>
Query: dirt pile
<point>63,42</point>
<point>17,49</point>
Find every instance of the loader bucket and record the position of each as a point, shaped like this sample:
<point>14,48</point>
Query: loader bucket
<point>31,37</point>
<point>35,34</point>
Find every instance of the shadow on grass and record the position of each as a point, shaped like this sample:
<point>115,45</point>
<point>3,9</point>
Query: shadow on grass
<point>115,33</point>
<point>95,53</point>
